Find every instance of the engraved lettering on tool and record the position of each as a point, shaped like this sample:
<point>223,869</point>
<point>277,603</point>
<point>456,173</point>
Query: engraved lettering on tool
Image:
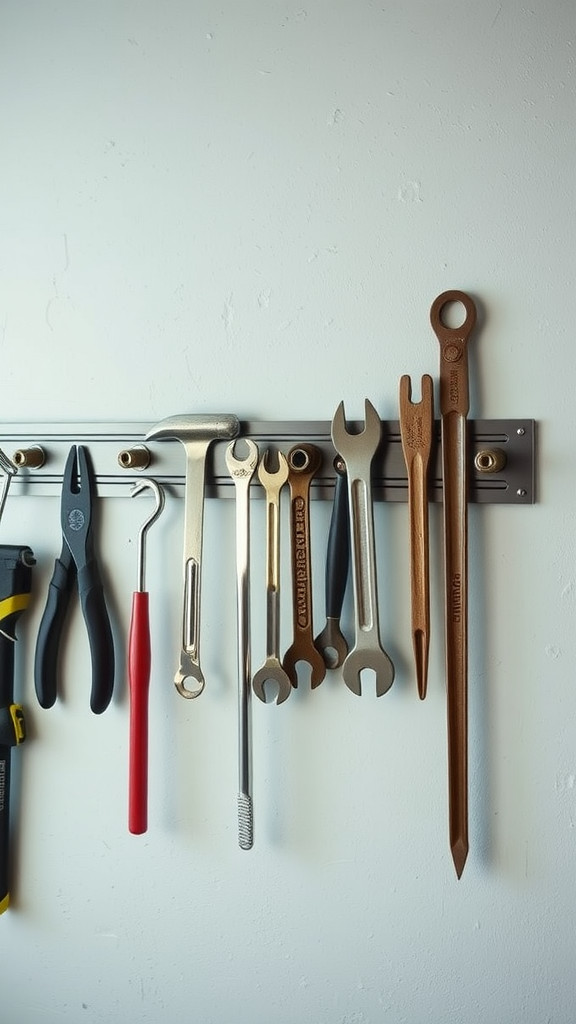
<point>454,389</point>
<point>456,598</point>
<point>301,566</point>
<point>414,434</point>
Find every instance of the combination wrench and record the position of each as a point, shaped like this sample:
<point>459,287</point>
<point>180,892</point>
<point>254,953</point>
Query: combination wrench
<point>272,671</point>
<point>242,471</point>
<point>358,451</point>
<point>304,461</point>
<point>197,433</point>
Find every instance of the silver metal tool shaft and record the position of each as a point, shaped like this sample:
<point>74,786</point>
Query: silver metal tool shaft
<point>272,671</point>
<point>9,469</point>
<point>242,471</point>
<point>196,433</point>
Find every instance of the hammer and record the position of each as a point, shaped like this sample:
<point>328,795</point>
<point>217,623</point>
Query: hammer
<point>196,434</point>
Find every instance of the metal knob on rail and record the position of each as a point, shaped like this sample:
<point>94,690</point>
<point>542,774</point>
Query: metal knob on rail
<point>137,457</point>
<point>33,457</point>
<point>490,460</point>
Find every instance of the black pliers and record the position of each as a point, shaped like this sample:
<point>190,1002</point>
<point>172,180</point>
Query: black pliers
<point>77,563</point>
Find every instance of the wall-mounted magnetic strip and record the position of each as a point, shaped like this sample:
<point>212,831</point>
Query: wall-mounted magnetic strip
<point>505,478</point>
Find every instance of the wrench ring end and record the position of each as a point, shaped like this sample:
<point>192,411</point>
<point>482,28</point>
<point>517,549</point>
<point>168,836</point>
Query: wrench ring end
<point>184,691</point>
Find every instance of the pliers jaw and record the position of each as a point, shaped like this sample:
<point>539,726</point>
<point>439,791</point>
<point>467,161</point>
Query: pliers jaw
<point>78,492</point>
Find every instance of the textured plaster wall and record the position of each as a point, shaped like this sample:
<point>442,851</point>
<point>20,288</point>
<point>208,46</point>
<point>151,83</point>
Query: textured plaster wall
<point>250,207</point>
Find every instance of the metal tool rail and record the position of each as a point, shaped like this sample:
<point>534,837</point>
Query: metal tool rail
<point>502,458</point>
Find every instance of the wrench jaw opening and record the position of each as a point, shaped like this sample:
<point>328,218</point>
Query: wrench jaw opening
<point>310,656</point>
<point>272,680</point>
<point>376,661</point>
<point>238,467</point>
<point>273,479</point>
<point>368,439</point>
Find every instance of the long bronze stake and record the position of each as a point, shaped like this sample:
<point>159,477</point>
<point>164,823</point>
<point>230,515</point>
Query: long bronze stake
<point>454,405</point>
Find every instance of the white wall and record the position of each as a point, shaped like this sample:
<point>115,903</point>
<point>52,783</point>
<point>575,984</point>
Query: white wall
<point>249,207</point>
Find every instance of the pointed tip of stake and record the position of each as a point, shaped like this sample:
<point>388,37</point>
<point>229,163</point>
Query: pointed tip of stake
<point>459,855</point>
<point>420,641</point>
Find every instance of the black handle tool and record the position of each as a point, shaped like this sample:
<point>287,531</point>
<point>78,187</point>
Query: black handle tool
<point>15,584</point>
<point>77,563</point>
<point>331,642</point>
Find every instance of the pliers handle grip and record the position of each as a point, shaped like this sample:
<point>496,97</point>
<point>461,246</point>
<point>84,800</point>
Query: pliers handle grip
<point>91,594</point>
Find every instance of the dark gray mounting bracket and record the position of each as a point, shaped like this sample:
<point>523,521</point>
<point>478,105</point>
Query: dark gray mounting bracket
<point>502,458</point>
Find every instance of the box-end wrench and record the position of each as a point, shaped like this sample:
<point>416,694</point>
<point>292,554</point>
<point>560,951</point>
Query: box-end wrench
<point>454,405</point>
<point>358,451</point>
<point>304,461</point>
<point>242,470</point>
<point>272,671</point>
<point>196,434</point>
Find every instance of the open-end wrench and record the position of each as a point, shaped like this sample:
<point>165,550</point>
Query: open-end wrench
<point>242,471</point>
<point>272,671</point>
<point>454,405</point>
<point>196,432</point>
<point>358,450</point>
<point>304,461</point>
<point>331,642</point>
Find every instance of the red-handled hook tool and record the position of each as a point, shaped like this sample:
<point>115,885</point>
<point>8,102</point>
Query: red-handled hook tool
<point>139,660</point>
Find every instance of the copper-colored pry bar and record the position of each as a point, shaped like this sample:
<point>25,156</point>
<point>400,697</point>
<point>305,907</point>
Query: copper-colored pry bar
<point>416,428</point>
<point>454,405</point>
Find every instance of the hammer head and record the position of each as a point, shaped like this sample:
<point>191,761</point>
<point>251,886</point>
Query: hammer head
<point>195,428</point>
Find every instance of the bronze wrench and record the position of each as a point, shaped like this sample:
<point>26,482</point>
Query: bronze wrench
<point>416,427</point>
<point>358,450</point>
<point>454,405</point>
<point>272,671</point>
<point>331,642</point>
<point>304,461</point>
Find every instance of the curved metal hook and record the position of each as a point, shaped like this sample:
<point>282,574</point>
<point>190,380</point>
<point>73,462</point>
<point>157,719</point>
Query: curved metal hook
<point>158,491</point>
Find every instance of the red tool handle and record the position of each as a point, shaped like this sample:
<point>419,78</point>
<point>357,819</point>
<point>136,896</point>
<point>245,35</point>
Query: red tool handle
<point>139,680</point>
